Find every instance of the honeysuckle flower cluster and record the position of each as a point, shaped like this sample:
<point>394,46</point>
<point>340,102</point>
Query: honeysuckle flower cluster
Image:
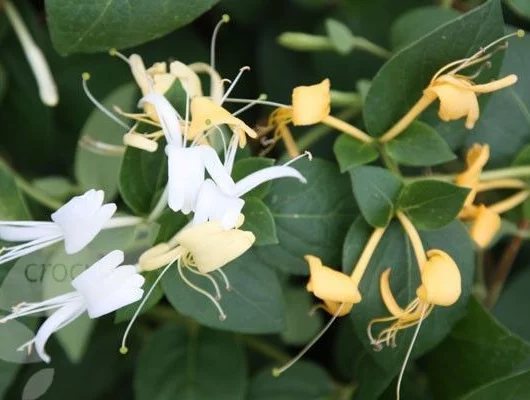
<point>199,182</point>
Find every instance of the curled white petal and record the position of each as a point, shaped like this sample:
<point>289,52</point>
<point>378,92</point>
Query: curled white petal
<point>255,179</point>
<point>168,116</point>
<point>216,169</point>
<point>59,319</point>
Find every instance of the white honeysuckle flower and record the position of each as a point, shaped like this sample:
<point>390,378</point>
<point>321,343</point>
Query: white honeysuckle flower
<point>104,287</point>
<point>76,223</point>
<point>186,164</point>
<point>221,199</point>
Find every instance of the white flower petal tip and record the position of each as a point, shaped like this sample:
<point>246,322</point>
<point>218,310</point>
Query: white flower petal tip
<point>257,178</point>
<point>108,286</point>
<point>82,218</point>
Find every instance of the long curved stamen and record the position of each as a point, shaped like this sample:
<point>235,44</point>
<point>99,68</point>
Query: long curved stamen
<point>409,351</point>
<point>124,349</point>
<point>307,154</point>
<point>224,19</point>
<point>116,53</point>
<point>261,102</point>
<point>519,33</point>
<point>139,117</point>
<point>222,315</point>
<point>15,252</point>
<point>211,279</point>
<point>206,135</point>
<point>261,97</point>
<point>228,287</point>
<point>234,82</point>
<point>278,371</point>
<point>23,309</point>
<point>101,107</point>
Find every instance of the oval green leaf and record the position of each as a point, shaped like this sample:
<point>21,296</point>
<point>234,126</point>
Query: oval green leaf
<point>419,146</point>
<point>89,26</point>
<point>432,204</point>
<point>351,153</point>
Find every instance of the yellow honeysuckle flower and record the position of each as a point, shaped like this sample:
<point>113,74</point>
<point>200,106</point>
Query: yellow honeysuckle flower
<point>311,104</point>
<point>338,291</point>
<point>440,285</point>
<point>458,96</point>
<point>457,93</point>
<point>334,288</point>
<point>205,114</point>
<point>486,224</point>
<point>476,158</point>
<point>200,249</point>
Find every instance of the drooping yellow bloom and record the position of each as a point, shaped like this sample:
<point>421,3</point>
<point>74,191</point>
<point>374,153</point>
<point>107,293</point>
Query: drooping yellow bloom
<point>458,96</point>
<point>310,105</point>
<point>456,93</point>
<point>440,286</point>
<point>476,158</point>
<point>485,220</point>
<point>332,287</point>
<point>205,114</point>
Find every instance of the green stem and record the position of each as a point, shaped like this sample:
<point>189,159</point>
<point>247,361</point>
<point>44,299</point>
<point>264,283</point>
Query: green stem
<point>318,132</point>
<point>372,48</point>
<point>36,194</point>
<point>262,347</point>
<point>494,174</point>
<point>388,162</point>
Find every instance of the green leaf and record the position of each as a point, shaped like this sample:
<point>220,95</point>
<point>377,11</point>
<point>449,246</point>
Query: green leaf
<point>513,387</point>
<point>418,22</point>
<point>522,157</point>
<point>419,146</point>
<point>143,176</point>
<point>352,153</point>
<point>507,309</point>
<point>301,324</point>
<point>303,381</point>
<point>340,36</point>
<point>376,191</point>
<point>520,7</point>
<point>12,204</point>
<point>169,223</point>
<point>100,169</point>
<point>199,364</point>
<point>310,218</point>
<point>245,167</point>
<point>505,121</point>
<point>394,251</point>
<point>259,220</point>
<point>432,204</point>
<point>253,305</point>
<point>56,186</point>
<point>478,350</point>
<point>91,26</point>
<point>400,83</point>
